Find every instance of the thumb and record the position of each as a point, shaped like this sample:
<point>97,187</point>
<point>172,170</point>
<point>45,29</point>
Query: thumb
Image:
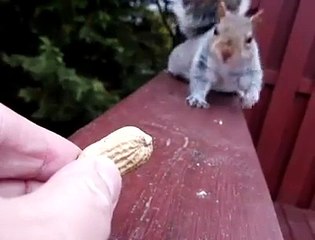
<point>76,203</point>
<point>96,177</point>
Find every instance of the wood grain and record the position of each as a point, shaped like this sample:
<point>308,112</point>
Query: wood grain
<point>203,181</point>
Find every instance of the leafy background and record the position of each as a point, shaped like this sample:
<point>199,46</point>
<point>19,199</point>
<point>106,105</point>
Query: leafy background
<point>64,62</point>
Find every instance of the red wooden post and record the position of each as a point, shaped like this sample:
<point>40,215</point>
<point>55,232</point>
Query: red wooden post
<point>273,35</point>
<point>268,29</point>
<point>204,179</point>
<point>279,115</point>
<point>299,180</point>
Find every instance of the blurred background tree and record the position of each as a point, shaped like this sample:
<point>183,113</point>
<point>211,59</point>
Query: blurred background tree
<point>64,62</point>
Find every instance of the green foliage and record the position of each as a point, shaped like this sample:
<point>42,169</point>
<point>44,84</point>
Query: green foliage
<point>79,57</point>
<point>62,93</point>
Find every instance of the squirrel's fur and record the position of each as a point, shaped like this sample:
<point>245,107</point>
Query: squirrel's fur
<point>195,17</point>
<point>225,58</point>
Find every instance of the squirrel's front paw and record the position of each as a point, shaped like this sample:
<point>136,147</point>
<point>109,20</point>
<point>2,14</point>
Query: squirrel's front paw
<point>250,99</point>
<point>196,101</point>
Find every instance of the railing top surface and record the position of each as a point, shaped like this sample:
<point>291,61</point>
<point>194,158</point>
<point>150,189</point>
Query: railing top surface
<point>204,179</point>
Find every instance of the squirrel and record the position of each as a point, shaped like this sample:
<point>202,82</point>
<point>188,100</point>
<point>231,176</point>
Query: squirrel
<point>223,58</point>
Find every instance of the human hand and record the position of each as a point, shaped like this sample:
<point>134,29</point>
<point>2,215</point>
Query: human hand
<point>44,194</point>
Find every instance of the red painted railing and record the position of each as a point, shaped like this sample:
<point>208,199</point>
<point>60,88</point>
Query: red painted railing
<point>203,180</point>
<point>282,124</point>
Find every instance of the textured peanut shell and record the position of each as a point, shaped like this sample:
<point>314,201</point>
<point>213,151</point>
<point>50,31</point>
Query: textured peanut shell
<point>129,147</point>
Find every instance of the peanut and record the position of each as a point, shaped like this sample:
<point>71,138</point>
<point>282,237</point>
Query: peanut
<point>129,147</point>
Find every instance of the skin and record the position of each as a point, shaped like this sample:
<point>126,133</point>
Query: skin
<point>44,193</point>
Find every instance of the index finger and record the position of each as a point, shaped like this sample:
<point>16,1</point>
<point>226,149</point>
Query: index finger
<point>29,151</point>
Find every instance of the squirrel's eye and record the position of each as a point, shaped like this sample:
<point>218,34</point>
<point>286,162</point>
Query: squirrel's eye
<point>249,40</point>
<point>216,31</point>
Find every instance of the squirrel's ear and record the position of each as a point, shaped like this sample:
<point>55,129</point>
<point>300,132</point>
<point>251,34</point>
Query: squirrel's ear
<point>222,9</point>
<point>257,18</point>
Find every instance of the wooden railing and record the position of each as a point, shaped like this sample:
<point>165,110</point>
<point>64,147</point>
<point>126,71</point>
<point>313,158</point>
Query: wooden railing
<point>282,124</point>
<point>203,180</point>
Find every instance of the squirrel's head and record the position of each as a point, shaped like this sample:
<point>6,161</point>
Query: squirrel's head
<point>233,35</point>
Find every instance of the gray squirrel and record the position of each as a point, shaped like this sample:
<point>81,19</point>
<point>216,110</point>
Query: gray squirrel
<point>224,57</point>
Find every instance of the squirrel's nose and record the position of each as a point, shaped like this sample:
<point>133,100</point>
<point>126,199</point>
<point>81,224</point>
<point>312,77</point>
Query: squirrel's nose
<point>226,54</point>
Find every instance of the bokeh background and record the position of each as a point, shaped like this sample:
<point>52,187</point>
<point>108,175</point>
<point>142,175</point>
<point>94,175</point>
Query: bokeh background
<point>64,62</point>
